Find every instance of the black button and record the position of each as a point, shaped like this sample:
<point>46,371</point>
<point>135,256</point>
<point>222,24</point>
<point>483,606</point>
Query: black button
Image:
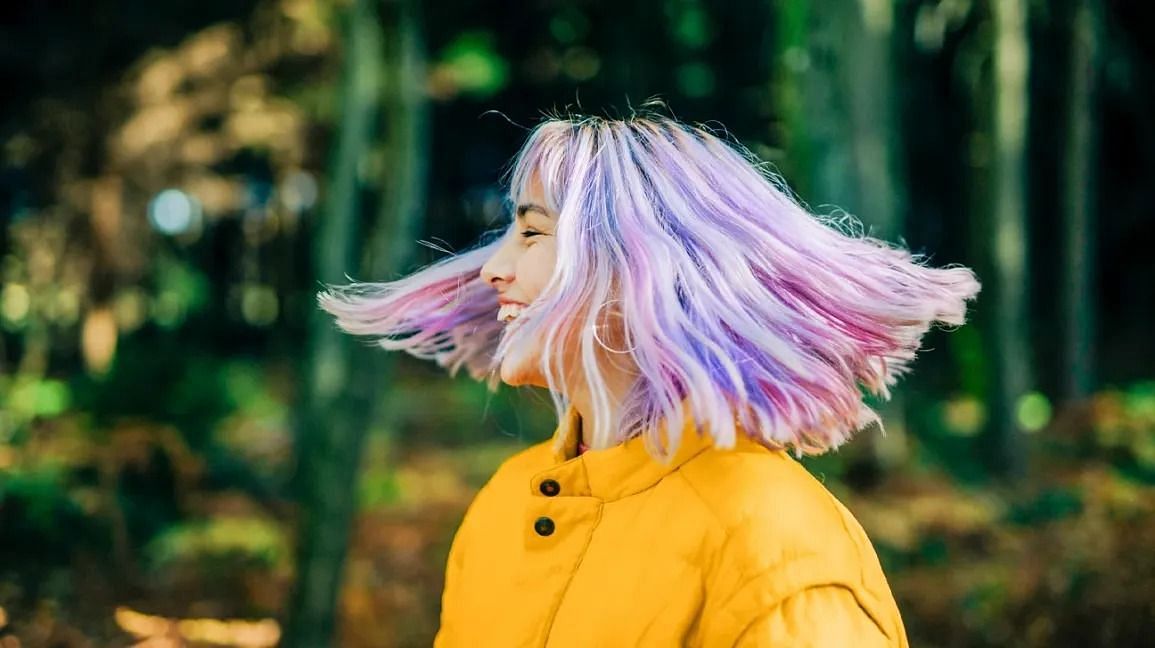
<point>549,487</point>
<point>543,526</point>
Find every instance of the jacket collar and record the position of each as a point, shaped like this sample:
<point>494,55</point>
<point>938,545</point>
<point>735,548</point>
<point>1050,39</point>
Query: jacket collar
<point>622,470</point>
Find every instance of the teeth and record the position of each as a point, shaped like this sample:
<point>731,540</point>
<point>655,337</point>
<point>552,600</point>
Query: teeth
<point>509,312</point>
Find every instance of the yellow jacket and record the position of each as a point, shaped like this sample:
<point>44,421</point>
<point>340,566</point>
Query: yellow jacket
<point>719,548</point>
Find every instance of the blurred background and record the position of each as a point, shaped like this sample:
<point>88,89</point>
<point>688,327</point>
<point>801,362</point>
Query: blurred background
<point>191,455</point>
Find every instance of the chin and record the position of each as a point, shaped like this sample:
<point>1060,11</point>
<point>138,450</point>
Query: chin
<point>521,374</point>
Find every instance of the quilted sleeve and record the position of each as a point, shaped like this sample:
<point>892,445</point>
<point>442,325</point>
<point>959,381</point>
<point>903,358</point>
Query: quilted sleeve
<point>817,617</point>
<point>815,600</point>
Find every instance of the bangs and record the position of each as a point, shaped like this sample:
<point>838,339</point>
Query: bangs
<point>549,157</point>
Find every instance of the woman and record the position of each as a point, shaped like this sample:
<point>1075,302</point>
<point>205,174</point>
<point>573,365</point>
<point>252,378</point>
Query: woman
<point>693,323</point>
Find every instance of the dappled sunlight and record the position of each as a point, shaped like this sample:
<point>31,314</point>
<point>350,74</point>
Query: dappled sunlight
<point>98,339</point>
<point>162,631</point>
<point>156,125</point>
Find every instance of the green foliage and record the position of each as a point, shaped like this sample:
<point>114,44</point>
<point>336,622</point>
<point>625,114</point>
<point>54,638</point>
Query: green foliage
<point>26,397</point>
<point>247,389</point>
<point>1049,505</point>
<point>1033,411</point>
<point>475,67</point>
<point>40,519</point>
<point>690,24</point>
<point>569,25</point>
<point>695,79</point>
<point>966,348</point>
<point>378,488</point>
<point>220,539</point>
<point>157,378</point>
<point>1061,558</point>
<point>181,290</point>
<point>1124,427</point>
<point>43,494</point>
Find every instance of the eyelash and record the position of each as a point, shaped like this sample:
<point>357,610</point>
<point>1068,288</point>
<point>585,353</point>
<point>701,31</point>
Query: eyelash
<point>529,234</point>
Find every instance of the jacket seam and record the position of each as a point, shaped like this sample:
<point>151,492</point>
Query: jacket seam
<point>573,572</point>
<point>716,554</point>
<point>864,598</point>
<point>833,503</point>
<point>705,503</point>
<point>745,629</point>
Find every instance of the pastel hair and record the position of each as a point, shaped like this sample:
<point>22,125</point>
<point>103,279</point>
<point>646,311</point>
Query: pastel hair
<point>739,306</point>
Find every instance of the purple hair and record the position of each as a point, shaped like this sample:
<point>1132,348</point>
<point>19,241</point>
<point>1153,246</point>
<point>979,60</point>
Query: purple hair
<point>740,307</point>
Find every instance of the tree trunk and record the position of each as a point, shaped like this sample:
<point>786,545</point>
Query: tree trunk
<point>1079,204</point>
<point>1010,357</point>
<point>876,138</point>
<point>406,141</point>
<point>334,408</point>
<point>383,93</point>
<point>854,139</point>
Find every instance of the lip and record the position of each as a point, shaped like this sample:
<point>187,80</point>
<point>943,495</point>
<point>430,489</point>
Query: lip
<point>503,301</point>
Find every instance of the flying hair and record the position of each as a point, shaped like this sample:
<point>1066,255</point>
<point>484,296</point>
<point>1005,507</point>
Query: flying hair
<point>740,306</point>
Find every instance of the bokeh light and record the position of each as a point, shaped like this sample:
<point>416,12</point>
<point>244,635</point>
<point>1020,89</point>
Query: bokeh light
<point>174,212</point>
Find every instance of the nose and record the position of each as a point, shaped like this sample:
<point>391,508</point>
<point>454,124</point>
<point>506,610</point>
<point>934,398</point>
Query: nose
<point>498,268</point>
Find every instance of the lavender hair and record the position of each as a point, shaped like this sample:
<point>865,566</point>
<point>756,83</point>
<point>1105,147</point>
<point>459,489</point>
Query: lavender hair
<point>740,306</point>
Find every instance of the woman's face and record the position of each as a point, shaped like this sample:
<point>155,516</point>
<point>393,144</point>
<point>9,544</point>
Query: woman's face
<point>519,270</point>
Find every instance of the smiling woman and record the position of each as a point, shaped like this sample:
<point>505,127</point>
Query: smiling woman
<point>533,228</point>
<point>692,322</point>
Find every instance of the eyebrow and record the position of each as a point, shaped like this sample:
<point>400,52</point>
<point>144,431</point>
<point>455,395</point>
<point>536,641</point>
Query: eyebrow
<point>528,207</point>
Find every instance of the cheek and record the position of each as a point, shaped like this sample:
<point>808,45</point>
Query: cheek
<point>535,268</point>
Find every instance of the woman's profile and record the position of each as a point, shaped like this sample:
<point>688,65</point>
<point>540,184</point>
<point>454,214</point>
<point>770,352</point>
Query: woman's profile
<point>695,326</point>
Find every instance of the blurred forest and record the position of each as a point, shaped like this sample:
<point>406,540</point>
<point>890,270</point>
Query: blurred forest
<point>190,455</point>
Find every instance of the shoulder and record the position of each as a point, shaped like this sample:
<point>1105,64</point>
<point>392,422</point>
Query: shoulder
<point>765,490</point>
<point>782,533</point>
<point>771,510</point>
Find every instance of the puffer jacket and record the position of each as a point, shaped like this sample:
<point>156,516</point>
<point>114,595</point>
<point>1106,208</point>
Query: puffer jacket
<point>719,548</point>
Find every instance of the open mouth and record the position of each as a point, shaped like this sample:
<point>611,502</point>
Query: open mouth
<point>509,312</point>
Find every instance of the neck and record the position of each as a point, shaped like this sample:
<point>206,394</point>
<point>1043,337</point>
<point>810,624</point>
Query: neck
<point>619,384</point>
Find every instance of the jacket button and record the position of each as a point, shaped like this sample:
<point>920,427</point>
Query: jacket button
<point>543,526</point>
<point>550,487</point>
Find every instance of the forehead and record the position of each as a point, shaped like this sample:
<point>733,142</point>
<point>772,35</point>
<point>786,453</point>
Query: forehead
<point>541,171</point>
<point>531,199</point>
<point>531,190</point>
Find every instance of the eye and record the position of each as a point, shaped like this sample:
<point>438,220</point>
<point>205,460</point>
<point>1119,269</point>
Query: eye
<point>529,233</point>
